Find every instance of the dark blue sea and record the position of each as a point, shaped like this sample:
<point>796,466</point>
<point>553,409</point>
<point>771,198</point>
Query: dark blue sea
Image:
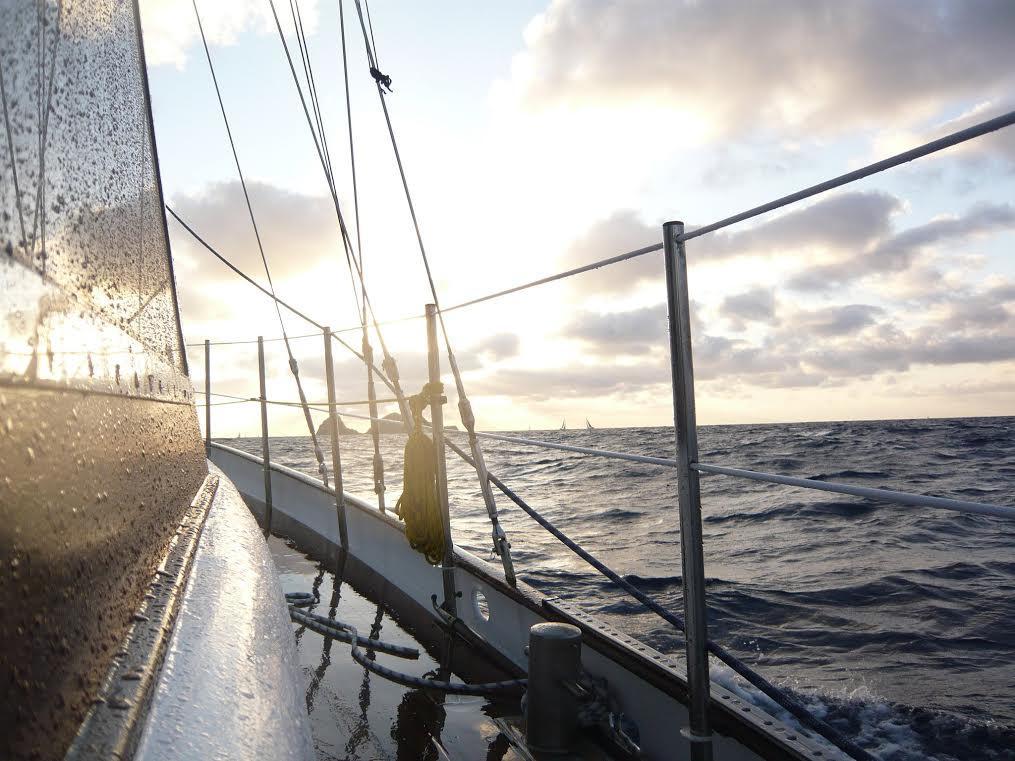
<point>895,623</point>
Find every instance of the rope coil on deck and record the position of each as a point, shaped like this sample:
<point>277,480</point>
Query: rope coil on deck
<point>419,506</point>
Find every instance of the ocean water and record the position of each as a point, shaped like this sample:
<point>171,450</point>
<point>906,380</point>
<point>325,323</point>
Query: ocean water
<point>895,623</point>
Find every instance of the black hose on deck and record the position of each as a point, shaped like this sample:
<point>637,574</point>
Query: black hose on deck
<point>344,632</point>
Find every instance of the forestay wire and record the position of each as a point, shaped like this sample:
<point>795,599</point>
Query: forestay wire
<point>378,461</point>
<point>293,365</point>
<point>389,364</point>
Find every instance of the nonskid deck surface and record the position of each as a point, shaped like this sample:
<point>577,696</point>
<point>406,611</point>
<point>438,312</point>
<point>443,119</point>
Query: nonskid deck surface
<point>358,715</point>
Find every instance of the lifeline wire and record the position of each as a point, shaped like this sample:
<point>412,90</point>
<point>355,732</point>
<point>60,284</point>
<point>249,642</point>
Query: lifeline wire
<point>293,365</point>
<point>785,700</point>
<point>961,136</point>
<point>270,295</point>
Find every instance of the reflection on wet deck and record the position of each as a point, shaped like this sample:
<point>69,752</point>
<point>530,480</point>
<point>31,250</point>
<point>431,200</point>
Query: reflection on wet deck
<point>358,715</point>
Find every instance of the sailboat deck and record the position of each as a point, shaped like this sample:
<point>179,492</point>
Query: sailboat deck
<point>358,715</point>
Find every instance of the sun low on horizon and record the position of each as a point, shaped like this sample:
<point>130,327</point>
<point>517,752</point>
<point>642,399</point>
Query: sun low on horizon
<point>538,137</point>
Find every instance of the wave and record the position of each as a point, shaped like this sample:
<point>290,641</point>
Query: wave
<point>897,620</point>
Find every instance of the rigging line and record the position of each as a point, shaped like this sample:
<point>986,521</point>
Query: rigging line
<point>317,145</point>
<point>378,461</point>
<point>239,170</point>
<point>401,169</point>
<point>419,237</point>
<point>392,382</point>
<point>308,71</point>
<point>948,141</point>
<point>14,163</point>
<point>371,58</point>
<point>784,699</point>
<point>373,42</point>
<point>961,136</point>
<point>340,403</point>
<point>270,295</point>
<point>242,274</point>
<point>350,329</point>
<point>293,365</point>
<point>500,540</point>
<point>395,389</point>
<point>352,149</point>
<point>559,276</point>
<point>200,344</point>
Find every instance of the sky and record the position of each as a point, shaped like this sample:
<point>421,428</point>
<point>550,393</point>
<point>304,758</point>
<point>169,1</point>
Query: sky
<point>541,136</point>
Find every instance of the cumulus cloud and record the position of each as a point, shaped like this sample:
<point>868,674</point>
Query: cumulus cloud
<point>620,232</point>
<point>827,346</point>
<point>898,252</point>
<point>835,241</point>
<point>807,65</point>
<point>296,230</point>
<point>633,332</point>
<point>837,320</point>
<point>755,305</point>
<point>842,223</point>
<point>536,385</point>
<point>498,346</point>
<point>170,27</point>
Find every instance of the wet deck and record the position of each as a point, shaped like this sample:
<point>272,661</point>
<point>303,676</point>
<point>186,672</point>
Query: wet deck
<point>355,714</point>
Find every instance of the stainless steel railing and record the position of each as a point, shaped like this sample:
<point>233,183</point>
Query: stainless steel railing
<point>686,461</point>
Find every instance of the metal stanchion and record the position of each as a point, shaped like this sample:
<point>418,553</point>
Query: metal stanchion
<point>336,454</point>
<point>698,733</point>
<point>207,398</point>
<point>265,453</point>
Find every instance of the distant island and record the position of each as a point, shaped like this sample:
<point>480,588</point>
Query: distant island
<point>391,423</point>
<point>343,430</point>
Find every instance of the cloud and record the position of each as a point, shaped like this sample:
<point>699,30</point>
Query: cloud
<point>297,230</point>
<point>841,223</point>
<point>897,252</point>
<point>633,332</point>
<point>170,27</point>
<point>808,347</point>
<point>621,231</point>
<point>836,321</point>
<point>498,346</point>
<point>973,154</point>
<point>535,385</point>
<point>799,65</point>
<point>756,305</point>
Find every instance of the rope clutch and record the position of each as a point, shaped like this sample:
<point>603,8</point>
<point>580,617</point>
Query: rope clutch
<point>419,506</point>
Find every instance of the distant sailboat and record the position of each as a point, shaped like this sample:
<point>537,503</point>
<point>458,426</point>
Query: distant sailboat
<point>563,424</point>
<point>588,425</point>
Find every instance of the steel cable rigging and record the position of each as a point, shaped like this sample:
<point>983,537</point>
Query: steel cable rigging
<point>501,545</point>
<point>293,365</point>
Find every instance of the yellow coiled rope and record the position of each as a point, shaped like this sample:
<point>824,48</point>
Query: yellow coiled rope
<point>420,506</point>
